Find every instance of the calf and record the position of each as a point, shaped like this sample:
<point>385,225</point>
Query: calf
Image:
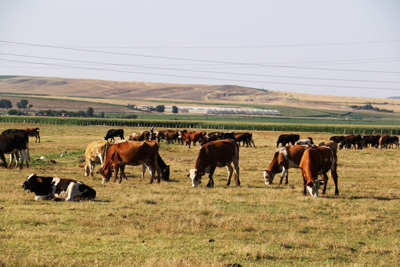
<point>215,154</point>
<point>164,168</point>
<point>33,132</point>
<point>287,138</point>
<point>95,151</point>
<point>114,133</point>
<point>56,188</point>
<point>318,160</point>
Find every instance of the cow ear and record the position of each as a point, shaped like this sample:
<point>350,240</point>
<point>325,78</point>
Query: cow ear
<point>39,180</point>
<point>188,175</point>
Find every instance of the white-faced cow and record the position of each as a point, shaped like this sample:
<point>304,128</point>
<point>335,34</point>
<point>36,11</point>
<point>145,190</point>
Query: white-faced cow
<point>54,188</point>
<point>318,160</point>
<point>130,153</point>
<point>215,154</point>
<point>114,133</point>
<point>287,138</point>
<point>306,142</point>
<point>94,152</point>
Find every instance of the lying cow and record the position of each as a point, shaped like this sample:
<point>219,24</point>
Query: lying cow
<point>215,154</point>
<point>95,151</point>
<point>318,160</point>
<point>54,188</point>
<point>114,133</point>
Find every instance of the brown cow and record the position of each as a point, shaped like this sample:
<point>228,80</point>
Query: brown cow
<point>33,132</point>
<point>215,154</point>
<point>284,159</point>
<point>130,153</point>
<point>246,138</point>
<point>142,136</point>
<point>168,135</point>
<point>318,160</point>
<point>94,152</point>
<point>194,137</point>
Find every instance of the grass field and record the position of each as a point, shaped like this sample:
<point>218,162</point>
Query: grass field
<point>172,224</point>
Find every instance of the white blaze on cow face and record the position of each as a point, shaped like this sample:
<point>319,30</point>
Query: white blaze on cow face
<point>196,179</point>
<point>268,177</point>
<point>313,190</point>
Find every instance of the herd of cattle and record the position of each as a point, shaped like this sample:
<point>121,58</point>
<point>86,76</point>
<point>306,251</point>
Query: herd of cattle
<point>217,149</point>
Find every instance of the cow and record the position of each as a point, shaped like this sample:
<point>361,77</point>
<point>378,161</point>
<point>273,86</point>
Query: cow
<point>246,138</point>
<point>130,153</point>
<point>287,138</point>
<point>307,142</point>
<point>168,135</point>
<point>164,168</point>
<point>211,137</point>
<point>332,144</point>
<point>318,160</point>
<point>33,132</point>
<point>393,142</point>
<point>114,133</point>
<point>95,151</point>
<point>284,159</point>
<point>337,138</point>
<point>54,188</point>
<point>352,141</point>
<point>215,154</point>
<point>387,141</point>
<point>12,143</point>
<point>142,136</point>
<point>371,140</point>
<point>194,137</point>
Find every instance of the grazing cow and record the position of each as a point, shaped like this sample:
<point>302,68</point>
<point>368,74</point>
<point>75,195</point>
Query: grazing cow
<point>12,143</point>
<point>352,141</point>
<point>246,138</point>
<point>142,136</point>
<point>95,151</point>
<point>387,141</point>
<point>284,159</point>
<point>168,135</point>
<point>215,154</point>
<point>130,153</point>
<point>287,138</point>
<point>194,137</point>
<point>114,133</point>
<point>164,168</point>
<point>318,160</point>
<point>211,137</point>
<point>337,138</point>
<point>54,188</point>
<point>371,140</point>
<point>33,132</point>
<point>393,142</point>
<point>307,142</point>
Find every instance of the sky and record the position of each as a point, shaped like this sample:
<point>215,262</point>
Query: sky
<point>341,47</point>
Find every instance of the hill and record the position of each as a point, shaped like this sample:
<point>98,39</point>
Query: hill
<point>191,94</point>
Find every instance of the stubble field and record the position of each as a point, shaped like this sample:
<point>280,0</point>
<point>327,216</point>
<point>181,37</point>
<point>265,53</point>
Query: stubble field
<point>172,224</point>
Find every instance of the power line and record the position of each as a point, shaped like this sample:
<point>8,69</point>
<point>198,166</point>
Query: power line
<point>198,77</point>
<point>197,60</point>
<point>194,70</point>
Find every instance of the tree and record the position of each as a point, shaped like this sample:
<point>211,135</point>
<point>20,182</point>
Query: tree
<point>22,104</point>
<point>175,109</point>
<point>102,115</point>
<point>160,108</point>
<point>90,112</point>
<point>4,103</point>
<point>12,112</point>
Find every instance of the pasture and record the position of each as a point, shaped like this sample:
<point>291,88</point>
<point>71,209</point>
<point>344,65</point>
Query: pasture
<point>172,224</point>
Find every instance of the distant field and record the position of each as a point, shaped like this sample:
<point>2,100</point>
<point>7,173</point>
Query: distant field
<point>173,224</point>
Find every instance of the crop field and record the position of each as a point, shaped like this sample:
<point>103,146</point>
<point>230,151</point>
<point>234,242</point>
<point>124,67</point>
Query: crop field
<point>172,224</point>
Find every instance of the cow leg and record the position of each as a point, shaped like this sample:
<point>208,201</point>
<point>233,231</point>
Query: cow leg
<point>116,170</point>
<point>305,184</point>
<point>144,167</point>
<point>24,156</point>
<point>89,168</point>
<point>3,159</point>
<point>335,180</point>
<point>152,172</point>
<point>210,183</point>
<point>122,173</point>
<point>38,137</point>
<point>325,183</point>
<point>230,172</point>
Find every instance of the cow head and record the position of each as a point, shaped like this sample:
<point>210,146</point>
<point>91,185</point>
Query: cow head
<point>195,176</point>
<point>31,182</point>
<point>106,172</point>
<point>268,176</point>
<point>314,186</point>
<point>165,173</point>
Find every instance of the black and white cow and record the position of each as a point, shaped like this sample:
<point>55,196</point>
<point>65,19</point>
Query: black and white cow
<point>54,188</point>
<point>114,133</point>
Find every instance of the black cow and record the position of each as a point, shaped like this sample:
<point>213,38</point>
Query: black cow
<point>12,143</point>
<point>164,168</point>
<point>114,133</point>
<point>55,188</point>
<point>287,138</point>
<point>13,131</point>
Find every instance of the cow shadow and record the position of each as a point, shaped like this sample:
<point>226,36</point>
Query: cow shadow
<point>362,197</point>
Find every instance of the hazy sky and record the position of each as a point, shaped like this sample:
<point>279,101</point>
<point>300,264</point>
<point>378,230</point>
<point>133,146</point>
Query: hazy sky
<point>341,47</point>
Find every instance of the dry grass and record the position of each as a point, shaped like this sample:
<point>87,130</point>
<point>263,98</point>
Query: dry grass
<point>173,224</point>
